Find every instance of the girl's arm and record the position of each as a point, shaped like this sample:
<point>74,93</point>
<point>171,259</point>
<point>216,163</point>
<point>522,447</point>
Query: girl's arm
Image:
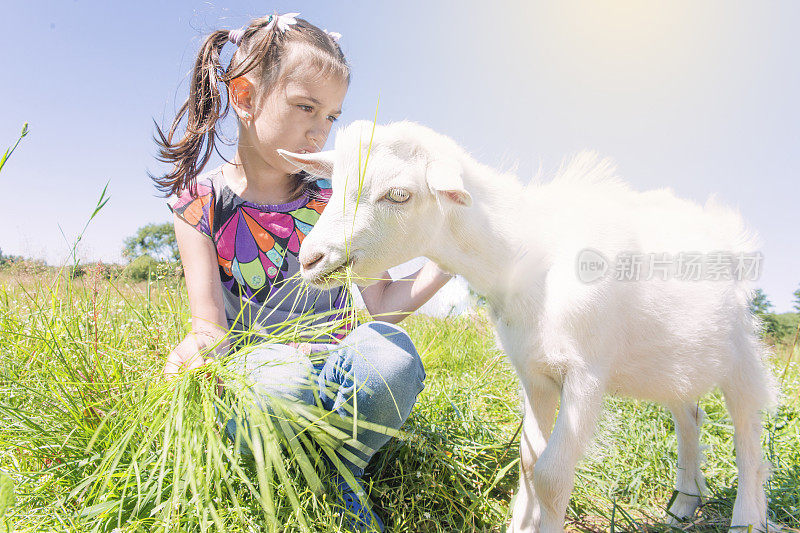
<point>209,324</point>
<point>392,301</point>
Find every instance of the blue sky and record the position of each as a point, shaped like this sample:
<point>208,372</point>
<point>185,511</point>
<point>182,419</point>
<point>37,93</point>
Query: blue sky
<point>699,97</point>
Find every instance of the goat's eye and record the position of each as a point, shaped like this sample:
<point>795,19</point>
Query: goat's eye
<point>398,195</point>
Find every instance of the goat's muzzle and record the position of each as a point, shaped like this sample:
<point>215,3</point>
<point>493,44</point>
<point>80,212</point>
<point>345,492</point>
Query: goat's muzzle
<point>322,269</point>
<point>308,262</point>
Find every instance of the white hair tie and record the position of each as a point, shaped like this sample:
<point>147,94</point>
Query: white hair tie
<point>283,22</point>
<point>236,36</point>
<point>333,35</point>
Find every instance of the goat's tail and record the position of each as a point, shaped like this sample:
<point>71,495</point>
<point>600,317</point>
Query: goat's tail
<point>749,373</point>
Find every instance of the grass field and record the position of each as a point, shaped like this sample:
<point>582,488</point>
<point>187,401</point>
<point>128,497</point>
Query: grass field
<point>91,439</point>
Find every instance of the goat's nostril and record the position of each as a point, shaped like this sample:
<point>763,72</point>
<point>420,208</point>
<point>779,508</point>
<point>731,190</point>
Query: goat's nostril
<point>309,262</point>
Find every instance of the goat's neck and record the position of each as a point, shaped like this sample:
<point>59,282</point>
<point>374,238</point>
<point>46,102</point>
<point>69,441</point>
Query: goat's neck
<point>484,243</point>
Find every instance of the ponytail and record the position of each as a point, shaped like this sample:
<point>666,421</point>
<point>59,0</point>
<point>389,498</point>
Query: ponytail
<point>202,111</point>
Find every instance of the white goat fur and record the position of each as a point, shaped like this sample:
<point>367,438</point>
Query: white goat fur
<point>669,341</point>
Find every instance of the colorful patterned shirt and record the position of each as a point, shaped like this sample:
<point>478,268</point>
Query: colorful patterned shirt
<point>257,252</point>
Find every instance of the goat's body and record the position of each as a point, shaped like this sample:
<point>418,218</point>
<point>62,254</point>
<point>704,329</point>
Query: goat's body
<point>662,339</point>
<point>571,340</point>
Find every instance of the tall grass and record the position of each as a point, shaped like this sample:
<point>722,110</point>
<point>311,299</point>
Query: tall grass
<point>95,437</point>
<point>10,149</point>
<point>92,439</point>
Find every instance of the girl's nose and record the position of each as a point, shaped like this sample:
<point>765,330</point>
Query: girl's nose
<point>317,135</point>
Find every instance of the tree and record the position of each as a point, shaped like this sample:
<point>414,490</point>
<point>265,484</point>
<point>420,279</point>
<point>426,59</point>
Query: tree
<point>9,259</point>
<point>156,240</point>
<point>797,300</point>
<point>759,303</point>
<point>761,306</point>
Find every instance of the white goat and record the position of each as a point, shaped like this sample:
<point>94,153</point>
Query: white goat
<point>569,336</point>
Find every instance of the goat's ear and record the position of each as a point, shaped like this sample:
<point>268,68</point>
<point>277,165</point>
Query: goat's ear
<point>444,179</point>
<point>319,164</point>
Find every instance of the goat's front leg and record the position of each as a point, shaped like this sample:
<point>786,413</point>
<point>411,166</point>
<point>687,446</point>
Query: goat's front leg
<point>540,398</point>
<point>554,475</point>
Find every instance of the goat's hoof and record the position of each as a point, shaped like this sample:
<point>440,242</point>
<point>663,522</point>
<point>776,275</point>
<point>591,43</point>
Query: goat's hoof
<point>683,507</point>
<point>771,527</point>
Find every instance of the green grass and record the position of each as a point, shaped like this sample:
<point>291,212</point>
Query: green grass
<point>10,149</point>
<point>91,439</point>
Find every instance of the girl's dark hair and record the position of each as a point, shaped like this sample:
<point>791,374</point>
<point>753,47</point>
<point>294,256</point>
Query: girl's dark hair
<point>260,50</point>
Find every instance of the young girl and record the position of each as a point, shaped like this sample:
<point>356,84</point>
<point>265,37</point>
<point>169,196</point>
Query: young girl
<point>239,229</point>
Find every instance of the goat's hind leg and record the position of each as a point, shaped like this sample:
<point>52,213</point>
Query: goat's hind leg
<point>748,389</point>
<point>750,507</point>
<point>691,484</point>
<point>540,399</point>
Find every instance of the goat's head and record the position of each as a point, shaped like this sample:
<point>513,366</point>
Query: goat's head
<point>394,189</point>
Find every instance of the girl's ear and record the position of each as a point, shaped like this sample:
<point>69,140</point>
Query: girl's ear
<point>318,164</point>
<point>240,95</point>
<point>444,180</point>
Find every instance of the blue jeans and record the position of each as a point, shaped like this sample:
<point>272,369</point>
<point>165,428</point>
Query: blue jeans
<point>376,369</point>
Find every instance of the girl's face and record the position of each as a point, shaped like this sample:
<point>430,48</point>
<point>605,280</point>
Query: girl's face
<point>297,116</point>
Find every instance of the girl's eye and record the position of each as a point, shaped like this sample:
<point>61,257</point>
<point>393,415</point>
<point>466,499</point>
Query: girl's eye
<point>397,195</point>
<point>333,118</point>
<point>306,108</point>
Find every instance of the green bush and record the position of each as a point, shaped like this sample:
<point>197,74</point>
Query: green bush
<point>9,260</point>
<point>107,271</point>
<point>77,271</point>
<point>146,267</point>
<point>142,268</point>
<point>23,266</point>
<point>786,327</point>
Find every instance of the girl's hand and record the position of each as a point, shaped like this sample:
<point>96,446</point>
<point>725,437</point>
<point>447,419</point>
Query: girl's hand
<point>303,347</point>
<point>186,355</point>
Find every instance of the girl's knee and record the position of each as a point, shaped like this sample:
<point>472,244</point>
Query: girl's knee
<point>279,370</point>
<point>383,331</point>
<point>394,349</point>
